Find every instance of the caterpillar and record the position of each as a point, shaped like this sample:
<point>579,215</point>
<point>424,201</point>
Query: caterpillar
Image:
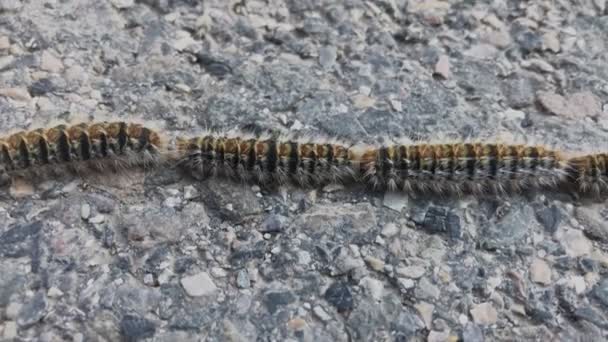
<point>266,160</point>
<point>443,168</point>
<point>459,167</point>
<point>78,148</point>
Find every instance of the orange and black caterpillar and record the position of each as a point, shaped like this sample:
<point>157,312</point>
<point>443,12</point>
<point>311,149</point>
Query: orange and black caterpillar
<point>274,160</point>
<point>267,160</point>
<point>98,146</point>
<point>456,167</point>
<point>589,173</point>
<point>463,167</point>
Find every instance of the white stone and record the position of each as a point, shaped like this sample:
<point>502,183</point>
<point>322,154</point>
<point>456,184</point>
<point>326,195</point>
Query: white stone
<point>374,287</point>
<point>578,282</point>
<point>4,43</point>
<point>17,94</point>
<point>540,272</point>
<point>97,219</point>
<point>122,4</point>
<point>406,283</point>
<point>6,61</point>
<point>413,272</point>
<point>85,211</point>
<point>375,263</point>
<point>183,40</point>
<point>575,243</point>
<point>10,330</point>
<point>50,63</point>
<point>426,312</point>
<point>198,285</point>
<point>389,230</point>
<point>54,292</point>
<point>484,314</point>
<point>321,313</point>
<point>442,68</point>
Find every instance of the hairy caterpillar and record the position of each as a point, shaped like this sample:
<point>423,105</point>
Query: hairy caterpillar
<point>460,167</point>
<point>463,167</point>
<point>77,148</point>
<point>589,173</point>
<point>447,167</point>
<point>266,160</point>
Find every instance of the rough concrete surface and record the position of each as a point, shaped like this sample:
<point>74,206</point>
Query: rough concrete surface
<point>161,257</point>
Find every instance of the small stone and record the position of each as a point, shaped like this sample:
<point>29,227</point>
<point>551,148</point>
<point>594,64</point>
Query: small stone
<point>149,279</point>
<point>438,336</point>
<point>374,287</point>
<point>577,105</point>
<point>321,314</point>
<point>375,263</point>
<point>54,292</point>
<point>85,211</point>
<point>242,279</point>
<point>32,311</point>
<point>538,65</point>
<point>6,61</point>
<point>595,225</point>
<point>361,101</point>
<point>296,324</point>
<point>172,202</point>
<point>5,43</point>
<point>135,328</point>
<point>426,312</point>
<point>397,105</point>
<point>439,220</point>
<point>406,283</point>
<point>190,192</point>
<point>549,217</point>
<point>540,272</point>
<point>389,230</point>
<point>442,67</point>
<point>575,243</point>
<point>551,41</point>
<point>340,296</point>
<point>395,200</point>
<point>10,331</point>
<point>585,104</point>
<point>123,4</point>
<point>97,219</point>
<point>519,92</point>
<point>50,63</point>
<point>482,51</point>
<point>183,40</point>
<point>579,284</point>
<point>426,289</point>
<point>20,188</point>
<point>600,292</point>
<point>484,314</point>
<point>472,333</point>
<point>12,310</point>
<point>218,272</point>
<point>198,285</point>
<point>412,272</point>
<point>327,56</point>
<point>17,94</point>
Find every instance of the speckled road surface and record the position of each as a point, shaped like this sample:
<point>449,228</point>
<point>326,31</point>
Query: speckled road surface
<point>161,257</point>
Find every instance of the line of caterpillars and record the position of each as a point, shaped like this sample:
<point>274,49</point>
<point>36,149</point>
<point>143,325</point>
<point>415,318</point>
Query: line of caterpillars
<point>268,161</point>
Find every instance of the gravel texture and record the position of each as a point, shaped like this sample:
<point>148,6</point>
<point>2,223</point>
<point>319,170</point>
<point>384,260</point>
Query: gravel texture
<point>158,256</point>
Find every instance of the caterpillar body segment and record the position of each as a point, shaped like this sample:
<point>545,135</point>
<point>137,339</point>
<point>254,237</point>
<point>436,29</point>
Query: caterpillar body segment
<point>267,160</point>
<point>78,148</point>
<point>463,167</point>
<point>589,173</point>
